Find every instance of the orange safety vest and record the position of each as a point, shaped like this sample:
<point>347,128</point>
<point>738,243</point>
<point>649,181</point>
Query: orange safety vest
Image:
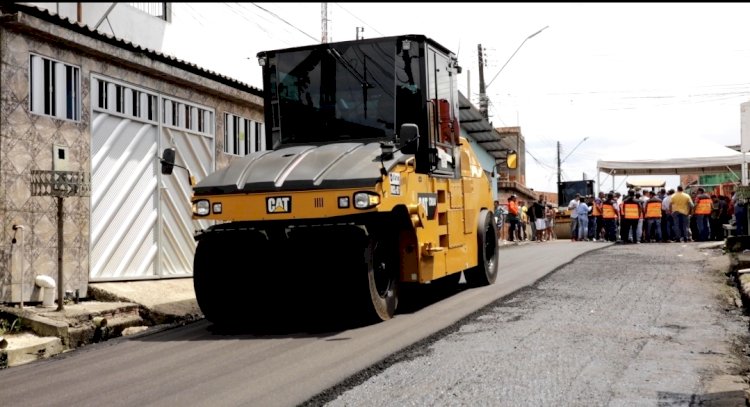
<point>596,211</point>
<point>631,211</point>
<point>513,208</point>
<point>608,211</point>
<point>653,209</point>
<point>703,207</point>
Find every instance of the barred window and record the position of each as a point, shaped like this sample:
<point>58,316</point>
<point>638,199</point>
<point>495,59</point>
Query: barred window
<point>158,10</point>
<point>242,136</point>
<point>123,99</point>
<point>55,88</point>
<point>185,116</point>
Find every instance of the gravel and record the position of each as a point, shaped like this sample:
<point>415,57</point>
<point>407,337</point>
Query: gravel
<point>629,325</point>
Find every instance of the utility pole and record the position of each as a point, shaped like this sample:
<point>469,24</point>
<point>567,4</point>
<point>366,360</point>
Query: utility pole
<point>559,164</point>
<point>482,91</point>
<point>360,30</point>
<point>324,22</point>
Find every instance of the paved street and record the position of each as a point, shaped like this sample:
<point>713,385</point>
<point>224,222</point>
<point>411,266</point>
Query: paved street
<point>566,324</point>
<point>629,325</point>
<point>198,365</point>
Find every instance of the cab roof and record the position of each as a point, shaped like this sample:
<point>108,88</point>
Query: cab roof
<point>413,37</point>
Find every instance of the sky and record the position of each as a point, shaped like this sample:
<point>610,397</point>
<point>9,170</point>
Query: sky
<point>600,77</point>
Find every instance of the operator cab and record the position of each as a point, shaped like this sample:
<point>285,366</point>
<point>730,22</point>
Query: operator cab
<point>400,89</point>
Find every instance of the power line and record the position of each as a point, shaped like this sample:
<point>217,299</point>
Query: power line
<point>286,22</point>
<point>242,15</point>
<point>193,14</point>
<point>549,167</point>
<point>360,20</point>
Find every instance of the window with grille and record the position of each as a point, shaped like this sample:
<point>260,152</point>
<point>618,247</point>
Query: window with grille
<point>185,116</point>
<point>242,136</point>
<point>55,88</point>
<point>158,10</point>
<point>125,100</point>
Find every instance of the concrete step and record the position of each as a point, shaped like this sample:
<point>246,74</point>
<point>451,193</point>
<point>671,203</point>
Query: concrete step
<point>27,347</point>
<point>99,329</point>
<point>79,324</point>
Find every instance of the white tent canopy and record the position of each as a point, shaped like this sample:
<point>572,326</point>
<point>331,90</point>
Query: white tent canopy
<point>672,157</point>
<point>647,183</point>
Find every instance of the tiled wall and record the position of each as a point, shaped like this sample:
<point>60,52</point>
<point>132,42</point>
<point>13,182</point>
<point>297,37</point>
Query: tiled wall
<point>26,144</point>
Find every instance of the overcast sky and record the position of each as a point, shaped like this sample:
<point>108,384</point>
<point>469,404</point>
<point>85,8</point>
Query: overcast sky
<point>609,73</point>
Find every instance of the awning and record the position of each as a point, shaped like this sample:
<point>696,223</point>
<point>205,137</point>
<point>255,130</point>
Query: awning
<point>479,129</point>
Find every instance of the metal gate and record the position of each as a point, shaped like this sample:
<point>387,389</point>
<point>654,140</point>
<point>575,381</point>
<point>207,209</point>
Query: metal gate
<point>141,225</point>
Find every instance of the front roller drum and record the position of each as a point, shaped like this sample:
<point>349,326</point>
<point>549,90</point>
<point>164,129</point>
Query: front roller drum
<point>224,286</point>
<point>381,257</point>
<point>485,272</point>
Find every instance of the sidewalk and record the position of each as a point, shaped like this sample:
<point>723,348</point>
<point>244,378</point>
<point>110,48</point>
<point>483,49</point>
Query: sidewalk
<point>113,309</point>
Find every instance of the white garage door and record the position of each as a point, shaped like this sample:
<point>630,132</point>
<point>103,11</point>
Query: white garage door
<point>141,225</point>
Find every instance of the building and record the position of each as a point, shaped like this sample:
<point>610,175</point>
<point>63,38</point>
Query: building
<point>78,99</point>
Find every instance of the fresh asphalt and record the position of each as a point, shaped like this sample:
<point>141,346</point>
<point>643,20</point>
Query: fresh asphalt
<point>198,364</point>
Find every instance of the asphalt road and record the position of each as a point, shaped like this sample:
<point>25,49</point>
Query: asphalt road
<point>196,365</point>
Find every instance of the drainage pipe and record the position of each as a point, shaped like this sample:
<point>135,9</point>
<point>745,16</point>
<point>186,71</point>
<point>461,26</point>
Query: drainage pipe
<point>60,292</point>
<point>16,228</point>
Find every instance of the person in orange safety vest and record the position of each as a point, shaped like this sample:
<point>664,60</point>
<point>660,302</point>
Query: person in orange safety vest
<point>631,212</point>
<point>702,212</point>
<point>653,218</point>
<point>610,213</point>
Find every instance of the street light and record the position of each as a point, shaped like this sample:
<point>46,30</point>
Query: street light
<point>483,88</point>
<point>574,149</point>
<point>514,53</point>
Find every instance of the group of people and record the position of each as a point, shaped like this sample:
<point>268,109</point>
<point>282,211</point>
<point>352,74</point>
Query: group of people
<point>664,216</point>
<point>540,216</point>
<point>638,217</point>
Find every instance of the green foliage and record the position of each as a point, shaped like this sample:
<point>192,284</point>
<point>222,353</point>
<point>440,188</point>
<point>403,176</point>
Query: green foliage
<point>8,327</point>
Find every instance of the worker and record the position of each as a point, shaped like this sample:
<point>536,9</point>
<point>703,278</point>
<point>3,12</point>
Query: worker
<point>610,213</point>
<point>702,212</point>
<point>653,218</point>
<point>513,219</point>
<point>631,212</point>
<point>596,224</point>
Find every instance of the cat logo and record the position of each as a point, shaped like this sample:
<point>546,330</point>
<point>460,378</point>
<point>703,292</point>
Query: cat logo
<point>279,204</point>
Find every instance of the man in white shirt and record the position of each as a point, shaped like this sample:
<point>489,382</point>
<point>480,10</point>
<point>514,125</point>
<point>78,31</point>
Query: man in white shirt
<point>574,216</point>
<point>667,221</point>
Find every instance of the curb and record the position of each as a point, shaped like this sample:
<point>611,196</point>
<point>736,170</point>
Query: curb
<point>51,332</point>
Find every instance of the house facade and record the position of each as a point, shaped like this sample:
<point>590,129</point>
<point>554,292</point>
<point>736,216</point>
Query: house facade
<point>75,99</point>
